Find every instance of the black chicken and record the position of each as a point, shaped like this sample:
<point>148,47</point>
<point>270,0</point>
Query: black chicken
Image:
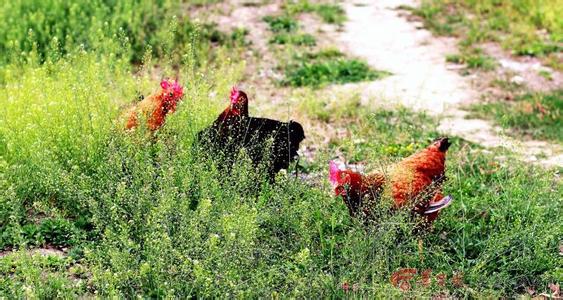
<point>269,142</point>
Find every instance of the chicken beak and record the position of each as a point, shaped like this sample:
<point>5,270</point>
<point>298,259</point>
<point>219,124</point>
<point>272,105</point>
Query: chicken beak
<point>443,144</point>
<point>340,191</point>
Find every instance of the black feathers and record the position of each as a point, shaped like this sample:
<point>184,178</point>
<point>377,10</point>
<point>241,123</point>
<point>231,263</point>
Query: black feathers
<point>272,143</point>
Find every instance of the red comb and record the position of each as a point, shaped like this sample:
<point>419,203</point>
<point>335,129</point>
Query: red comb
<point>177,89</point>
<point>234,95</point>
<point>164,84</point>
<point>333,172</point>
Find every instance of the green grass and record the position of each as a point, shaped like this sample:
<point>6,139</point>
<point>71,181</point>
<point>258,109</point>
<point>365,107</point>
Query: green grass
<point>324,54</point>
<point>26,26</point>
<point>144,216</point>
<point>330,13</point>
<point>166,223</point>
<point>319,73</point>
<point>522,27</point>
<point>210,34</point>
<point>25,275</point>
<point>204,2</point>
<point>536,115</point>
<point>324,110</point>
<point>285,29</point>
<point>282,23</point>
<point>315,68</point>
<point>293,39</point>
<point>328,67</point>
<point>474,59</point>
<point>51,29</point>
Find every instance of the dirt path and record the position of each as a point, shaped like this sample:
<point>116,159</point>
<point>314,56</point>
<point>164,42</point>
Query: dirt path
<point>421,79</point>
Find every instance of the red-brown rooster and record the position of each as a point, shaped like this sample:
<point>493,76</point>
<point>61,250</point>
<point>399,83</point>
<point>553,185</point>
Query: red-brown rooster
<point>234,130</point>
<point>415,182</point>
<point>155,107</point>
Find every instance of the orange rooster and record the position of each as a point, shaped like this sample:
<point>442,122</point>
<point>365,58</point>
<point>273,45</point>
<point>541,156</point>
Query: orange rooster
<point>155,107</point>
<point>415,182</point>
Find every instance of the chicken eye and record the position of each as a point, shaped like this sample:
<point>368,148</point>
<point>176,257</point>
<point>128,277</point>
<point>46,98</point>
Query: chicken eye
<point>171,94</point>
<point>341,191</point>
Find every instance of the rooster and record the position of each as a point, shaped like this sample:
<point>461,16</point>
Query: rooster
<point>270,142</point>
<point>155,107</point>
<point>415,182</point>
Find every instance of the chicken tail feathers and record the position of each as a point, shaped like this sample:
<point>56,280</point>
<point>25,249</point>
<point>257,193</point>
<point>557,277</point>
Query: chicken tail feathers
<point>437,206</point>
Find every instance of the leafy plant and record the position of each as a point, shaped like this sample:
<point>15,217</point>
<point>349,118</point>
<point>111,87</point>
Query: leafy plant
<point>59,232</point>
<point>33,234</point>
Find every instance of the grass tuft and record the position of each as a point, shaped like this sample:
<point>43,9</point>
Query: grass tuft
<point>282,23</point>
<point>474,59</point>
<point>330,13</point>
<point>293,39</point>
<point>535,115</point>
<point>324,67</point>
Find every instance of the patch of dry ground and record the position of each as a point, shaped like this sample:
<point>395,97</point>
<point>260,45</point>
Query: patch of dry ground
<point>420,77</point>
<point>524,70</point>
<point>260,72</point>
<point>38,251</point>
